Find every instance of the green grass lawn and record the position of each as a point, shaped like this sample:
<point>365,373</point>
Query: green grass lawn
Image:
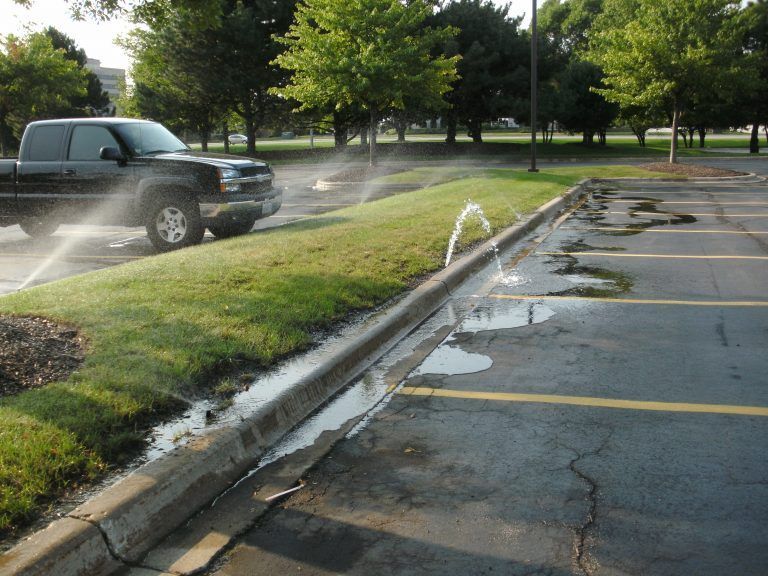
<point>165,328</point>
<point>618,145</point>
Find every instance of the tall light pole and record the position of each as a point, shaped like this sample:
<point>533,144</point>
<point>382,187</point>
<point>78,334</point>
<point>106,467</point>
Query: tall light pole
<point>534,82</point>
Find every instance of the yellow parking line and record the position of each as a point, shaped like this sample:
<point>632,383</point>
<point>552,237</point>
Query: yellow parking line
<point>615,229</point>
<point>588,401</point>
<point>672,256</point>
<point>717,303</point>
<point>660,214</point>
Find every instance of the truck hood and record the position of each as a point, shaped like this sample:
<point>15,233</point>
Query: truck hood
<point>217,160</point>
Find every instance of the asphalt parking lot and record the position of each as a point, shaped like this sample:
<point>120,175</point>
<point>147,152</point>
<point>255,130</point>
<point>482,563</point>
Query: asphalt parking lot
<point>600,409</point>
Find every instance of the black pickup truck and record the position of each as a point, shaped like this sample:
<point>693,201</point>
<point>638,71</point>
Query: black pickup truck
<point>126,172</point>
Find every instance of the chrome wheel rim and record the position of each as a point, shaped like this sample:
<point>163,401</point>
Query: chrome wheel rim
<point>171,224</point>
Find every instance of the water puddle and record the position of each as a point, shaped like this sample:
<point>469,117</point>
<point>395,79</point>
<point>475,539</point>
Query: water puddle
<point>353,402</point>
<point>450,359</point>
<point>502,317</point>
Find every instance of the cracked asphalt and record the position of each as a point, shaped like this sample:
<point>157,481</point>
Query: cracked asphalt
<point>621,428</point>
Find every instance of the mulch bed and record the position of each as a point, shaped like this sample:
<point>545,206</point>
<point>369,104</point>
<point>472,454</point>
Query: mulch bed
<point>35,352</point>
<point>690,170</point>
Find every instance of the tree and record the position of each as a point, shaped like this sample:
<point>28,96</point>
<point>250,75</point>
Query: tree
<point>567,24</point>
<point>96,99</point>
<point>167,84</point>
<point>581,108</point>
<point>493,69</point>
<point>190,76</point>
<point>371,53</point>
<point>754,103</point>
<point>248,42</point>
<point>202,13</point>
<point>36,81</point>
<point>666,53</point>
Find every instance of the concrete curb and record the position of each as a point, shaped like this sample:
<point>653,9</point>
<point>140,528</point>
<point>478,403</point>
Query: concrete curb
<point>328,186</point>
<point>119,526</point>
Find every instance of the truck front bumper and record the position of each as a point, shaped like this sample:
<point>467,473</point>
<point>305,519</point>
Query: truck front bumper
<point>240,208</point>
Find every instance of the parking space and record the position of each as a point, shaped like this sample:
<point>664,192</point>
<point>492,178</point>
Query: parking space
<point>601,409</point>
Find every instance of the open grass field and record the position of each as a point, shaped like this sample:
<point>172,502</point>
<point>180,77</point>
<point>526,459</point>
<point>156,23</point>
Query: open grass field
<point>618,145</point>
<point>168,327</point>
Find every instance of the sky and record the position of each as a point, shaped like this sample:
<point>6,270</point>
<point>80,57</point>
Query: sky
<point>96,38</point>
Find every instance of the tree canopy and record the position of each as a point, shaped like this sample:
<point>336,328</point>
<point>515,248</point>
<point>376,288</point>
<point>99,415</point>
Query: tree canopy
<point>36,81</point>
<point>372,53</point>
<point>665,54</point>
<point>493,69</point>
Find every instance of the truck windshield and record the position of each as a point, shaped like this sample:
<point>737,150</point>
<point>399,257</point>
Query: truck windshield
<point>145,138</point>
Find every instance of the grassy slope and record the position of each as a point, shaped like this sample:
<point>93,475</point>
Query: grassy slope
<point>160,328</point>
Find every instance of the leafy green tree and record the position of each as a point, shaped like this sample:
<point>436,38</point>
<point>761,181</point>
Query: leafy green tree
<point>666,53</point>
<point>370,53</point>
<point>581,108</point>
<point>563,31</point>
<point>36,81</point>
<point>190,76</point>
<point>567,24</point>
<point>96,99</point>
<point>248,42</point>
<point>754,104</point>
<point>202,13</point>
<point>168,86</point>
<point>493,69</point>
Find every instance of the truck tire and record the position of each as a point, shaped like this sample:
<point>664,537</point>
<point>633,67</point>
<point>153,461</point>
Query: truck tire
<point>234,228</point>
<point>173,222</point>
<point>38,227</point>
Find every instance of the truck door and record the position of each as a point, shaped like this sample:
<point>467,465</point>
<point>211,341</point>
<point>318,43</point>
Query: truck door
<point>97,190</point>
<point>39,169</point>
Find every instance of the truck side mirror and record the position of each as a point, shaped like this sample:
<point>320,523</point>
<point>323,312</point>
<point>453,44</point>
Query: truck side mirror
<point>110,153</point>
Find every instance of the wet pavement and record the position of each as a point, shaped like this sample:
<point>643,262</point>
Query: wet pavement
<point>603,410</point>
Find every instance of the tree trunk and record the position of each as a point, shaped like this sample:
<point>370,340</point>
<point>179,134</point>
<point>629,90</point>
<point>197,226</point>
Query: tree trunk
<point>702,136</point>
<point>754,139</point>
<point>475,130</point>
<point>450,128</point>
<point>588,138</point>
<point>640,135</point>
<point>339,131</point>
<point>401,126</point>
<point>204,136</point>
<point>225,131</point>
<point>673,143</point>
<point>372,149</point>
<point>602,137</point>
<point>364,135</point>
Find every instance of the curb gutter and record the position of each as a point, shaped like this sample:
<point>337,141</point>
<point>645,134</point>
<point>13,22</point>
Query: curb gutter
<point>119,526</point>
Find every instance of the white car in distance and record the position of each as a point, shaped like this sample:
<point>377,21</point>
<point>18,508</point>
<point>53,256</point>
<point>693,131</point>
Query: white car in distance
<point>238,139</point>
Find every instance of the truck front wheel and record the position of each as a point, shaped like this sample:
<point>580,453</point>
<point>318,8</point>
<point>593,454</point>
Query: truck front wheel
<point>38,227</point>
<point>173,222</point>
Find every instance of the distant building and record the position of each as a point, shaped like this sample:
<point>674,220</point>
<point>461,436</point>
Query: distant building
<point>110,78</point>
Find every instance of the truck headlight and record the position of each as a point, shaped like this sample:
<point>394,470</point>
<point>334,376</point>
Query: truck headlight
<point>226,177</point>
